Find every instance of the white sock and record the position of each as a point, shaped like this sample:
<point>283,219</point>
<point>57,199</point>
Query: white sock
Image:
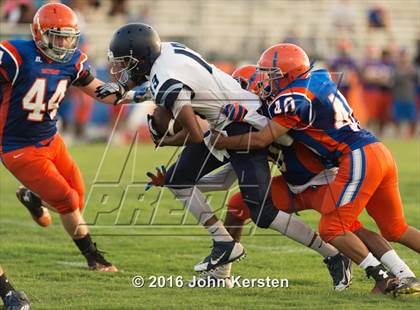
<point>218,232</point>
<point>323,248</point>
<point>223,272</point>
<point>194,201</point>
<point>397,266</point>
<point>295,229</point>
<point>369,261</point>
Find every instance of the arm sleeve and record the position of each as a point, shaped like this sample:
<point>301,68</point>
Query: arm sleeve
<point>83,71</point>
<point>85,78</point>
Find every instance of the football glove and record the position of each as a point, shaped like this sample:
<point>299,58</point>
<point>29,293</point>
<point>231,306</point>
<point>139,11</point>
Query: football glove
<point>158,179</point>
<point>235,112</point>
<point>108,89</point>
<point>156,136</point>
<point>120,91</point>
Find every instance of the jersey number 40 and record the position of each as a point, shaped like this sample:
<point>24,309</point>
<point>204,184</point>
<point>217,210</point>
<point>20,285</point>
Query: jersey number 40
<point>34,100</point>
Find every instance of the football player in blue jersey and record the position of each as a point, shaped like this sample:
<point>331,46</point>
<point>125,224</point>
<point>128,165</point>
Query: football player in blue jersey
<point>34,77</point>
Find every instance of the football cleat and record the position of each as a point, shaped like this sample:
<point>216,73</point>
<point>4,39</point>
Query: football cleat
<point>339,267</point>
<point>16,301</point>
<point>410,285</point>
<point>96,261</point>
<point>222,253</point>
<point>33,203</point>
<point>385,282</point>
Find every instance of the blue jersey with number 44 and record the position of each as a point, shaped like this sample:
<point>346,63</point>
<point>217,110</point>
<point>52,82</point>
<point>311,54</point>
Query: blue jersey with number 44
<point>31,89</point>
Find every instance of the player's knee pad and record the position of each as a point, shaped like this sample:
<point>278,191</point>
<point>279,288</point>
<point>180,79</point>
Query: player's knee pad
<point>69,203</point>
<point>237,207</point>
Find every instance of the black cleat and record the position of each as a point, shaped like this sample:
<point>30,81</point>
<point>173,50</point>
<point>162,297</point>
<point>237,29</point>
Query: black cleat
<point>96,261</point>
<point>222,253</point>
<point>385,282</point>
<point>410,285</point>
<point>16,301</point>
<point>339,267</point>
<point>33,203</point>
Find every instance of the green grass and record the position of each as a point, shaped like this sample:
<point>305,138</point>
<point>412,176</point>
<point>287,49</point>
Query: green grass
<point>46,264</point>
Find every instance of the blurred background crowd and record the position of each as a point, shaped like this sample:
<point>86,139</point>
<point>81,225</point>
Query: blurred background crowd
<point>372,49</point>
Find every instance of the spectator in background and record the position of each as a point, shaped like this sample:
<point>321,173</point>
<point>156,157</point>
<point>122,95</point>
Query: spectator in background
<point>18,11</point>
<point>417,64</point>
<point>345,72</point>
<point>142,16</point>
<point>343,16</point>
<point>387,83</point>
<point>76,108</point>
<point>118,7</point>
<point>314,45</point>
<point>404,93</point>
<point>344,68</point>
<point>378,79</point>
<point>378,17</point>
<point>292,37</point>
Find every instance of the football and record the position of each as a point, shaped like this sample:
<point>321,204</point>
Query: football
<point>162,117</point>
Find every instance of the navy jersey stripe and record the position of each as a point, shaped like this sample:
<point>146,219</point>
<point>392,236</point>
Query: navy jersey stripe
<point>168,93</point>
<point>204,64</point>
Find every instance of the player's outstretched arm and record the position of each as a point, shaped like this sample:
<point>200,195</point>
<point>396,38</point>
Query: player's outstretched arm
<point>254,140</point>
<point>115,93</point>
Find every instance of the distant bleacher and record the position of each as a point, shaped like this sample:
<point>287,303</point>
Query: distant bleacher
<point>240,29</point>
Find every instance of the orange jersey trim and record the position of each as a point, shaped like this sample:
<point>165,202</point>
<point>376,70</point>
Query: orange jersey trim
<point>13,50</point>
<point>329,142</point>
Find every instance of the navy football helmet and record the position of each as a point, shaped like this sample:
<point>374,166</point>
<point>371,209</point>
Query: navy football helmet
<point>132,52</point>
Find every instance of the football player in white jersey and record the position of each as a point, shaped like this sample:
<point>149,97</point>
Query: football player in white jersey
<point>183,82</point>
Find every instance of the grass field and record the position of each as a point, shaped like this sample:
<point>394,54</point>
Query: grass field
<point>149,234</point>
